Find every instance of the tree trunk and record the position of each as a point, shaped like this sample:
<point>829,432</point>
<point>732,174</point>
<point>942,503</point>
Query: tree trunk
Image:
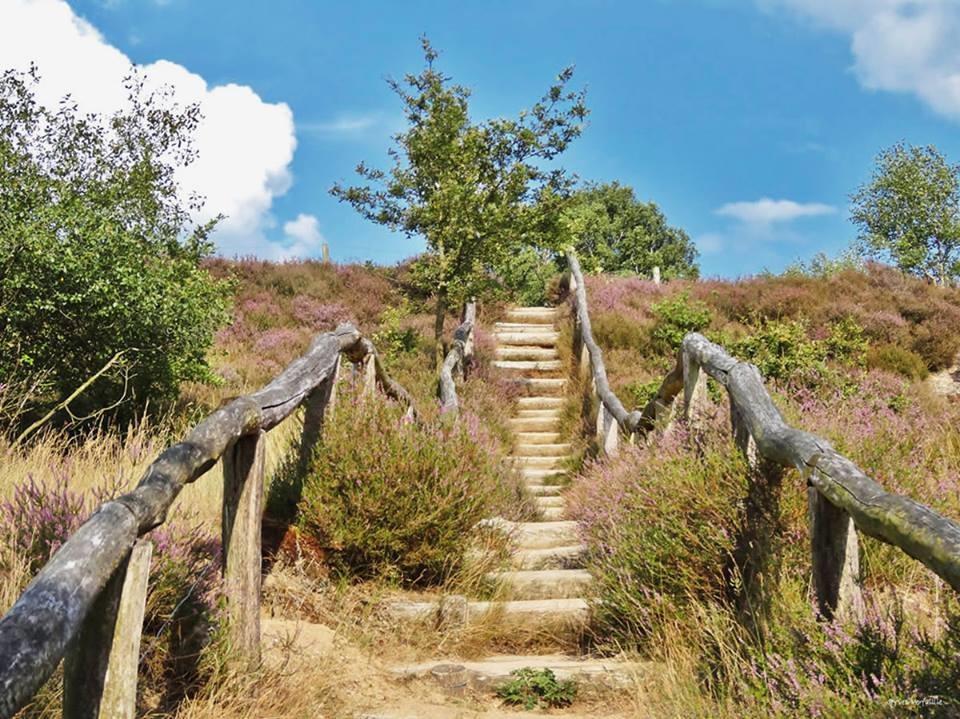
<point>438,323</point>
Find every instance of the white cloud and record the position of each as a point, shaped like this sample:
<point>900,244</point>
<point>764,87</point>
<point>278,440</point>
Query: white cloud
<point>710,243</point>
<point>340,126</point>
<point>304,236</point>
<point>898,45</point>
<point>245,145</point>
<point>767,211</point>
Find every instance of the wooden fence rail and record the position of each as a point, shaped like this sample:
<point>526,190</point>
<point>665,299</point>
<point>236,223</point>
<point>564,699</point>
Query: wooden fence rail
<point>87,602</point>
<point>841,498</point>
<point>461,350</point>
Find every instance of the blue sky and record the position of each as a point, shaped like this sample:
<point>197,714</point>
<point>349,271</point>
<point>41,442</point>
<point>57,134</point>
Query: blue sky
<point>748,121</point>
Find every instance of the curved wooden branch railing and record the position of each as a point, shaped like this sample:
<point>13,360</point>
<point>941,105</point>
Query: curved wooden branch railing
<point>611,414</point>
<point>93,589</point>
<point>838,492</point>
<point>456,360</point>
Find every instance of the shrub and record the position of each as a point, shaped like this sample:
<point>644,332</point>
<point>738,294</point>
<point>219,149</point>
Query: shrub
<point>534,688</point>
<point>892,358</point>
<point>782,350</point>
<point>614,332</point>
<point>388,497</point>
<point>677,316</point>
<point>98,251</point>
<point>659,523</point>
<point>392,338</point>
<point>180,614</point>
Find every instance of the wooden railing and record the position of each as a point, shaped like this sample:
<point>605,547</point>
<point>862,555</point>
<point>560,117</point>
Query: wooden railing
<point>86,604</point>
<point>841,498</point>
<point>612,418</point>
<point>458,356</point>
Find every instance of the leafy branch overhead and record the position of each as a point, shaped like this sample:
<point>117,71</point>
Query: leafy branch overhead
<point>476,192</point>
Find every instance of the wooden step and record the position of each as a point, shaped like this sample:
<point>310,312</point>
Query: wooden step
<point>534,424</point>
<point>538,386</point>
<point>532,314</point>
<point>528,365</point>
<point>538,414</point>
<point>542,450</point>
<point>537,437</point>
<point>538,475</point>
<point>555,463</point>
<point>544,490</point>
<point>491,672</point>
<point>524,327</point>
<point>550,500</point>
<point>544,583</point>
<point>521,352</point>
<point>567,556</point>
<point>536,535</point>
<point>541,339</point>
<point>540,403</point>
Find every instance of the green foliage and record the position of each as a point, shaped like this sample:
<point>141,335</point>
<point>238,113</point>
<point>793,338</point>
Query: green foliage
<point>910,212</point>
<point>893,358</point>
<point>476,192</point>
<point>527,275</point>
<point>392,339</point>
<point>535,688</point>
<point>388,497</point>
<point>97,256</point>
<point>846,342</point>
<point>821,266</point>
<point>615,233</point>
<point>782,349</point>
<point>676,316</point>
<point>642,392</point>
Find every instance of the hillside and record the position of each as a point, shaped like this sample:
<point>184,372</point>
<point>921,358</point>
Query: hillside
<point>384,530</point>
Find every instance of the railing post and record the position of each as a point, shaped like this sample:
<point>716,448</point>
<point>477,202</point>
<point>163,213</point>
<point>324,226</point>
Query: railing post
<point>243,474</point>
<point>608,432</point>
<point>656,275</point>
<point>318,403</point>
<point>369,370</point>
<point>694,392</point>
<point>835,555</point>
<point>100,668</point>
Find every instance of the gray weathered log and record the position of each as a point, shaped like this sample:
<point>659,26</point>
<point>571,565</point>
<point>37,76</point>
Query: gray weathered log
<point>243,477</point>
<point>456,359</point>
<point>35,633</point>
<point>628,421</point>
<point>361,352</point>
<point>835,559</point>
<point>100,670</point>
<point>900,521</point>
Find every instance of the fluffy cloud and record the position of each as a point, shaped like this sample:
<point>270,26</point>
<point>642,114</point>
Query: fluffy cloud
<point>898,45</point>
<point>766,211</point>
<point>245,145</point>
<point>304,237</point>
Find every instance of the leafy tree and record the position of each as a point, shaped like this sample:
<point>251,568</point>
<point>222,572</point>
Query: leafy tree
<point>97,256</point>
<point>614,232</point>
<point>909,212</point>
<point>477,192</point>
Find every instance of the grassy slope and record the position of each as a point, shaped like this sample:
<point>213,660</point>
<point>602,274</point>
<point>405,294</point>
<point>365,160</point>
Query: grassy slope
<point>663,520</point>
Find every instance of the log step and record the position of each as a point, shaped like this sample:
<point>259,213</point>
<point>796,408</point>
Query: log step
<point>540,403</point>
<point>532,314</point>
<point>520,352</point>
<point>550,500</point>
<point>492,672</point>
<point>537,437</point>
<point>562,557</point>
<point>533,475</point>
<point>538,414</point>
<point>536,535</point>
<point>534,424</point>
<point>554,463</point>
<point>541,339</point>
<point>544,583</point>
<point>542,450</point>
<point>544,490</point>
<point>541,385</point>
<point>529,365</point>
<point>553,514</point>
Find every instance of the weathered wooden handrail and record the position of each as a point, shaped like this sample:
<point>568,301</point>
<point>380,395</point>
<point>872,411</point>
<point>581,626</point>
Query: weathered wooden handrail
<point>848,492</point>
<point>461,350</point>
<point>37,631</point>
<point>611,414</point>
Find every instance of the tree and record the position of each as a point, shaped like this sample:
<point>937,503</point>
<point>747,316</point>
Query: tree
<point>614,232</point>
<point>98,258</point>
<point>909,212</point>
<point>476,192</point>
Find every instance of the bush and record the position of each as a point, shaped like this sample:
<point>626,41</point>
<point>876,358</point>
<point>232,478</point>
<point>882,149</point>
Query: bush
<point>533,688</point>
<point>387,497</point>
<point>659,523</point>
<point>898,360</point>
<point>677,316</point>
<point>782,350</point>
<point>180,615</point>
<point>98,253</point>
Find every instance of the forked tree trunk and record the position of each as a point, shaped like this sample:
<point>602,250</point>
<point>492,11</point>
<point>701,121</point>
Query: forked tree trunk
<point>441,314</point>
